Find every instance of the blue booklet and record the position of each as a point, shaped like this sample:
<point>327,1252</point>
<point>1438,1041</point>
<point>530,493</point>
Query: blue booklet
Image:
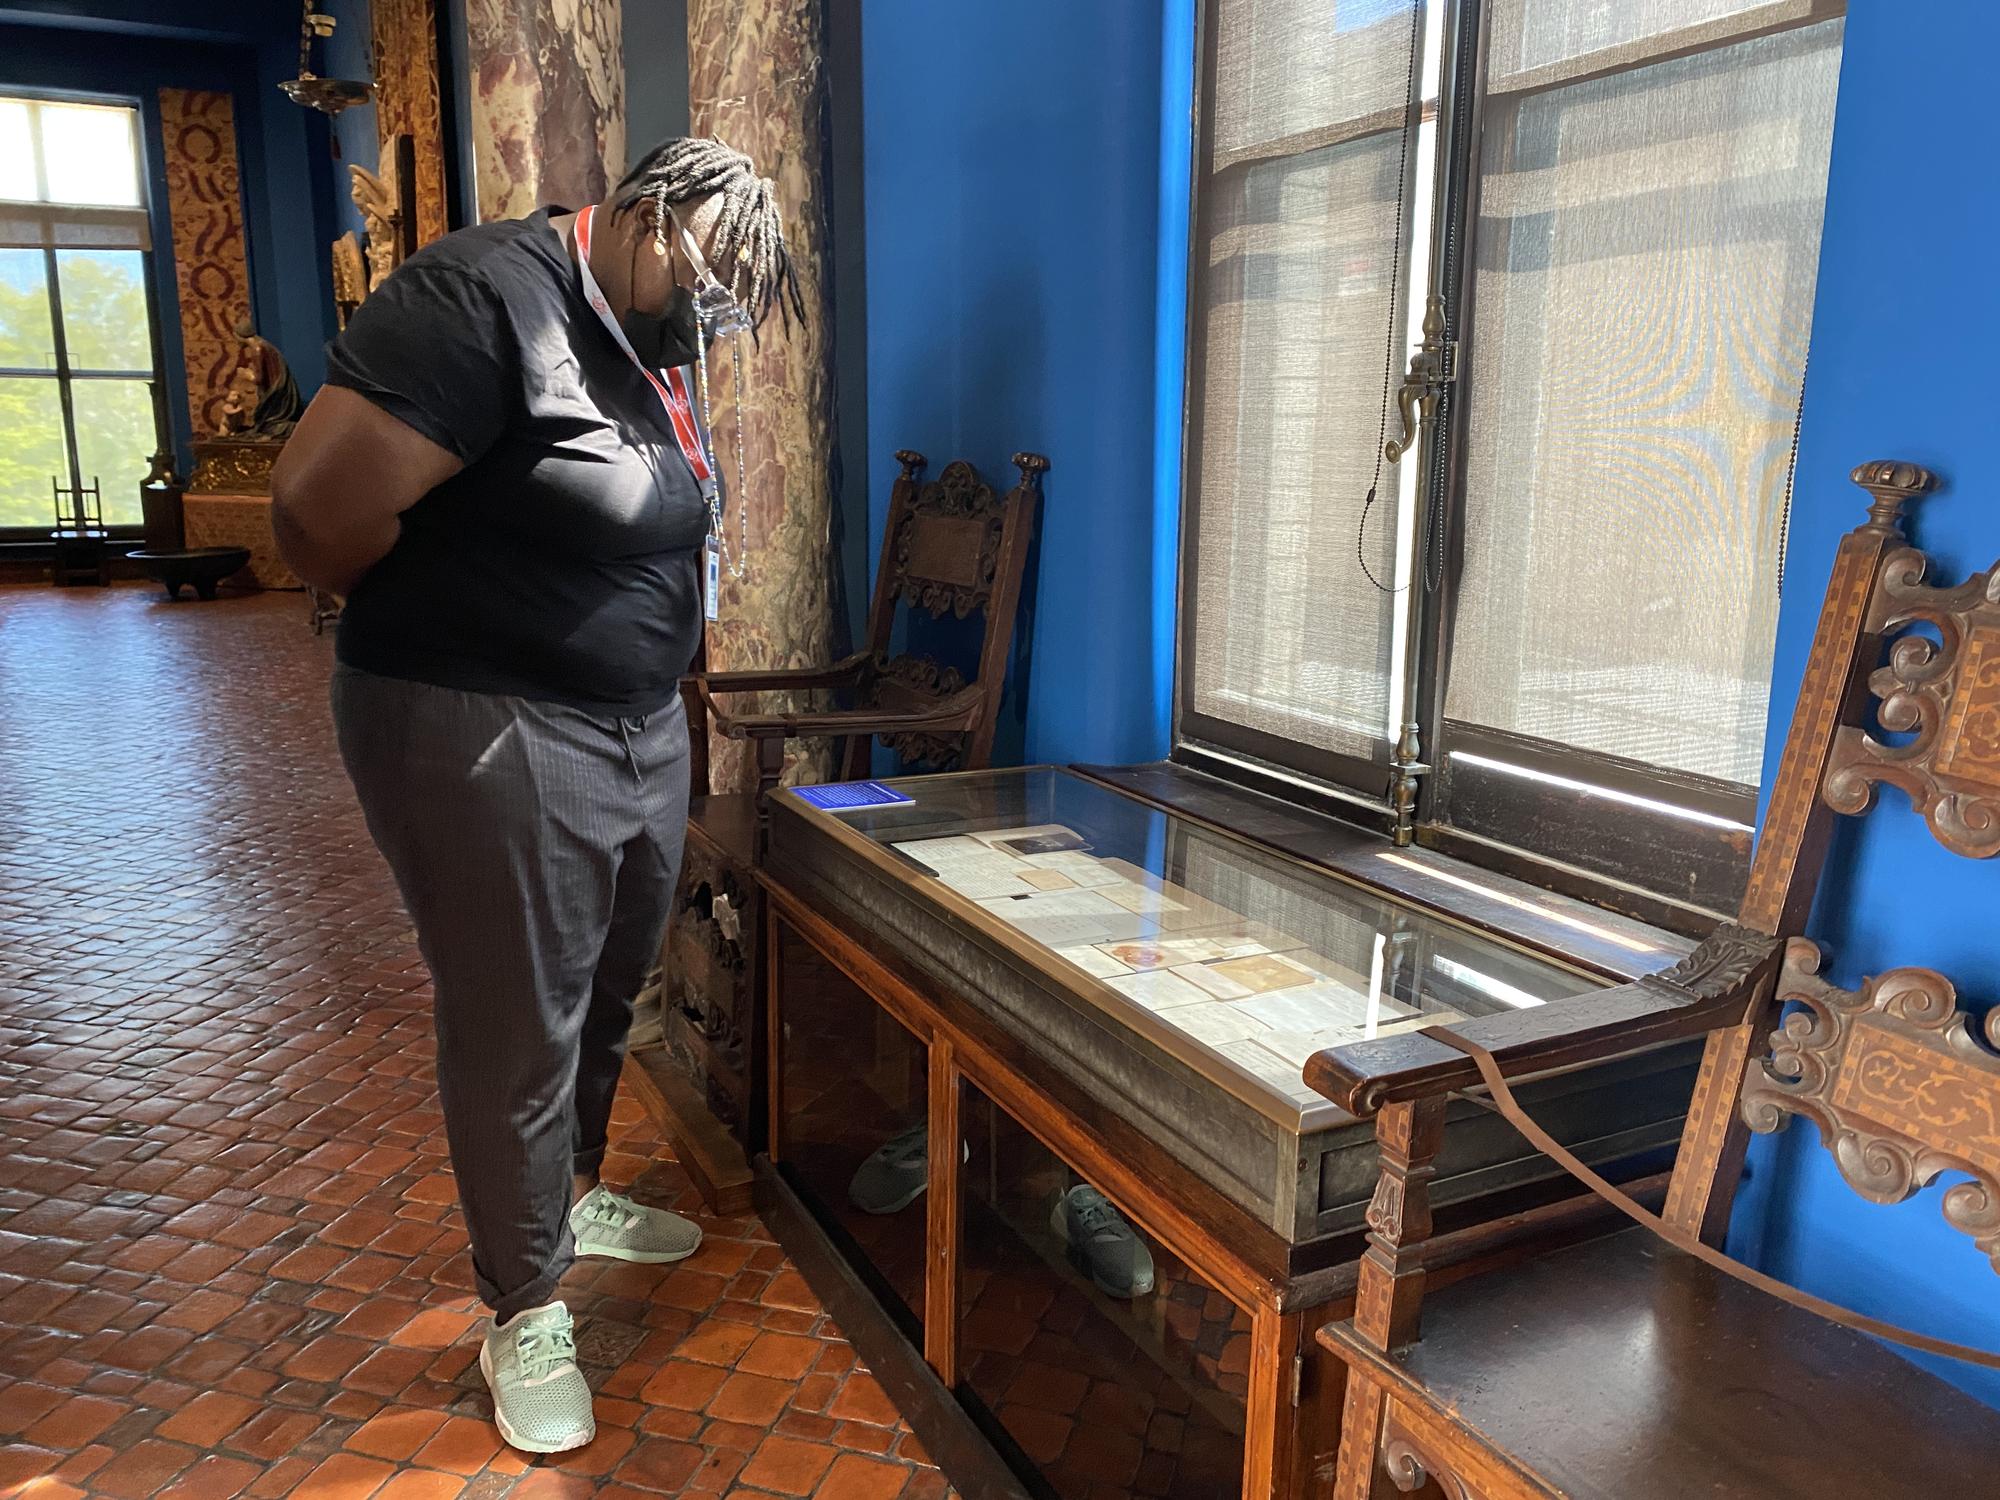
<point>851,796</point>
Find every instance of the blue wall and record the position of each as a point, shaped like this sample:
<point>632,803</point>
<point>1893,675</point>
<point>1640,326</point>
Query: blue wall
<point>1013,224</point>
<point>348,54</point>
<point>1905,291</point>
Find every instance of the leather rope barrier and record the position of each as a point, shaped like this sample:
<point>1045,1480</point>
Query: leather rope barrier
<point>1510,1110</point>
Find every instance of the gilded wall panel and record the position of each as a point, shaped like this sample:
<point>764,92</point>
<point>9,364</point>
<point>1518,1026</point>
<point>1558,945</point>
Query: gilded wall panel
<point>404,34</point>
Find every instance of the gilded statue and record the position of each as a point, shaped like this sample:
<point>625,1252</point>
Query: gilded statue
<point>263,403</point>
<point>375,197</point>
<point>350,276</point>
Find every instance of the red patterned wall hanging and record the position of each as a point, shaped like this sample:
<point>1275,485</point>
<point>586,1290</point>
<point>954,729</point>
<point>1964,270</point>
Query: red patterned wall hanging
<point>211,270</point>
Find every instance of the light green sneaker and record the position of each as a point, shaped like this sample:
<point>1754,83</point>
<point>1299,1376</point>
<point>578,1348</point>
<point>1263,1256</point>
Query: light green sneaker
<point>616,1228</point>
<point>541,1402</point>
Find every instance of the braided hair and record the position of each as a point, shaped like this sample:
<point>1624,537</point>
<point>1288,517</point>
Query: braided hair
<point>750,251</point>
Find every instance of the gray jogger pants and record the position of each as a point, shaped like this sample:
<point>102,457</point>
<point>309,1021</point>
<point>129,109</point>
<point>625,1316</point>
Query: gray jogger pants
<point>536,848</point>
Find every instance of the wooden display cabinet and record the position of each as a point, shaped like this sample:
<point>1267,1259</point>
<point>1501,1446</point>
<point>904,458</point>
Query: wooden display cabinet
<point>1065,984</point>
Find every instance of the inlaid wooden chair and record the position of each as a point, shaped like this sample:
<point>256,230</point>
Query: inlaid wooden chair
<point>1630,1367</point>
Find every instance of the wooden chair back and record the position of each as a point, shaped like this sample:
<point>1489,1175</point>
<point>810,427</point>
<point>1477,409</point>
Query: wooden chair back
<point>79,538</point>
<point>1871,658</point>
<point>1902,688</point>
<point>951,547</point>
<point>1902,1081</point>
<point>82,513</point>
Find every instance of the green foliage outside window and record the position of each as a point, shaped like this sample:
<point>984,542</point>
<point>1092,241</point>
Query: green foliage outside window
<point>106,323</point>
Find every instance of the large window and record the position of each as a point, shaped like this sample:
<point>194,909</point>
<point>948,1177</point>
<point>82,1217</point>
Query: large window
<point>1549,638</point>
<point>77,349</point>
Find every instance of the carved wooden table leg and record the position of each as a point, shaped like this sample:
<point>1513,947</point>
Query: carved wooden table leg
<point>1360,1437</point>
<point>1399,1221</point>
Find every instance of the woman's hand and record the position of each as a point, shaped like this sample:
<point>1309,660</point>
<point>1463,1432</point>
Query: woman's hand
<point>348,471</point>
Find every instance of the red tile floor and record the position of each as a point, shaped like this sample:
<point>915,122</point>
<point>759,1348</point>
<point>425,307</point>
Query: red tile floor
<point>230,1259</point>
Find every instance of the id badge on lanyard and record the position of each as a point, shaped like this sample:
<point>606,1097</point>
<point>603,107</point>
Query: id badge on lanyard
<point>680,417</point>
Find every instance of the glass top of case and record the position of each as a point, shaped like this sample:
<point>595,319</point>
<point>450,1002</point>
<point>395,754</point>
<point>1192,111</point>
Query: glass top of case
<point>1219,949</point>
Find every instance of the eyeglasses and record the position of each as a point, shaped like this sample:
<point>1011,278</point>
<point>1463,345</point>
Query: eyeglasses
<point>714,304</point>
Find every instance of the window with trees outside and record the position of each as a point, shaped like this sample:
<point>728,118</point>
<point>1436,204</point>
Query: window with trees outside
<point>78,355</point>
<point>1539,632</point>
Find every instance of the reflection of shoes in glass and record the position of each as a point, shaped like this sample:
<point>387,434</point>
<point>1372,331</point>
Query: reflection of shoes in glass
<point>895,1174</point>
<point>1101,1243</point>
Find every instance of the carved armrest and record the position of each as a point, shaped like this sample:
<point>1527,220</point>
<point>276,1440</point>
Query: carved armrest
<point>843,673</point>
<point>1712,988</point>
<point>958,715</point>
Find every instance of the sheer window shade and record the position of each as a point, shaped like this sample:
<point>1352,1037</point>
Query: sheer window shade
<point>69,177</point>
<point>33,226</point>
<point>1645,251</point>
<point>1284,642</point>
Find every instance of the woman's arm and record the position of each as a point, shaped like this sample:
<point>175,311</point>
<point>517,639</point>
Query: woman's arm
<point>348,471</point>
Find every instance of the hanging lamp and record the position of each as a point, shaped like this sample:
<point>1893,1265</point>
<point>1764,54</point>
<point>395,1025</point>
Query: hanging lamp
<point>327,95</point>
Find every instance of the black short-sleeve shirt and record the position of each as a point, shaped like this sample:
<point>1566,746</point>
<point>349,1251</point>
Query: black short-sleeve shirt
<point>563,562</point>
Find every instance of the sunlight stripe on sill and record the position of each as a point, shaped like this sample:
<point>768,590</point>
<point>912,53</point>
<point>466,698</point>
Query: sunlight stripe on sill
<point>1609,794</point>
<point>1546,913</point>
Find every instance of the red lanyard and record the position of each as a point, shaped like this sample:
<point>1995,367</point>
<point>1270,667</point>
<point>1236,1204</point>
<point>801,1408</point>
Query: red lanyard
<point>673,392</point>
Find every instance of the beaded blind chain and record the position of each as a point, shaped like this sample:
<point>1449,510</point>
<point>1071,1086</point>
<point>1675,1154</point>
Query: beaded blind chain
<point>736,560</point>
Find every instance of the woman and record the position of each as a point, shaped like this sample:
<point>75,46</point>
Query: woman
<point>515,502</point>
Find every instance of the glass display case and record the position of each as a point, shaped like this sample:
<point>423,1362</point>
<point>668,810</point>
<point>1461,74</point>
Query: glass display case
<point>1236,962</point>
<point>1036,1051</point>
<point>1126,1377</point>
<point>855,1090</point>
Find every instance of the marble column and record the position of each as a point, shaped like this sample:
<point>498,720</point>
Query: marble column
<point>757,80</point>
<point>548,102</point>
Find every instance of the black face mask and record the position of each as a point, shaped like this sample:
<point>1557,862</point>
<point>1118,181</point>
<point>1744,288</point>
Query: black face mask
<point>665,340</point>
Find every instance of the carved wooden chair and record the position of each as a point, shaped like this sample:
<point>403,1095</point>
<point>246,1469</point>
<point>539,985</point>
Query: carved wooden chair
<point>1630,1367</point>
<point>82,549</point>
<point>951,547</point>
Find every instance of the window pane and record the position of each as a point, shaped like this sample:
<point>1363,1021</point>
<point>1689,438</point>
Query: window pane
<point>31,452</point>
<point>1286,646</point>
<point>17,152</point>
<point>27,337</point>
<point>1546,41</point>
<point>115,439</point>
<point>1295,74</point>
<point>1290,638</point>
<point>104,309</point>
<point>1646,249</point>
<point>88,155</point>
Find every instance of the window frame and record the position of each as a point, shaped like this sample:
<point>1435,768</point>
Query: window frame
<point>65,374</point>
<point>1330,780</point>
<point>1694,866</point>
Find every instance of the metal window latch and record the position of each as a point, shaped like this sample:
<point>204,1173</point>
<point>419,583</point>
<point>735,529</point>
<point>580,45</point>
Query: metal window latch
<point>1433,366</point>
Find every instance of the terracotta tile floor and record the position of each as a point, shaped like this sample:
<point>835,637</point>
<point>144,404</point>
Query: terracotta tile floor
<point>230,1259</point>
